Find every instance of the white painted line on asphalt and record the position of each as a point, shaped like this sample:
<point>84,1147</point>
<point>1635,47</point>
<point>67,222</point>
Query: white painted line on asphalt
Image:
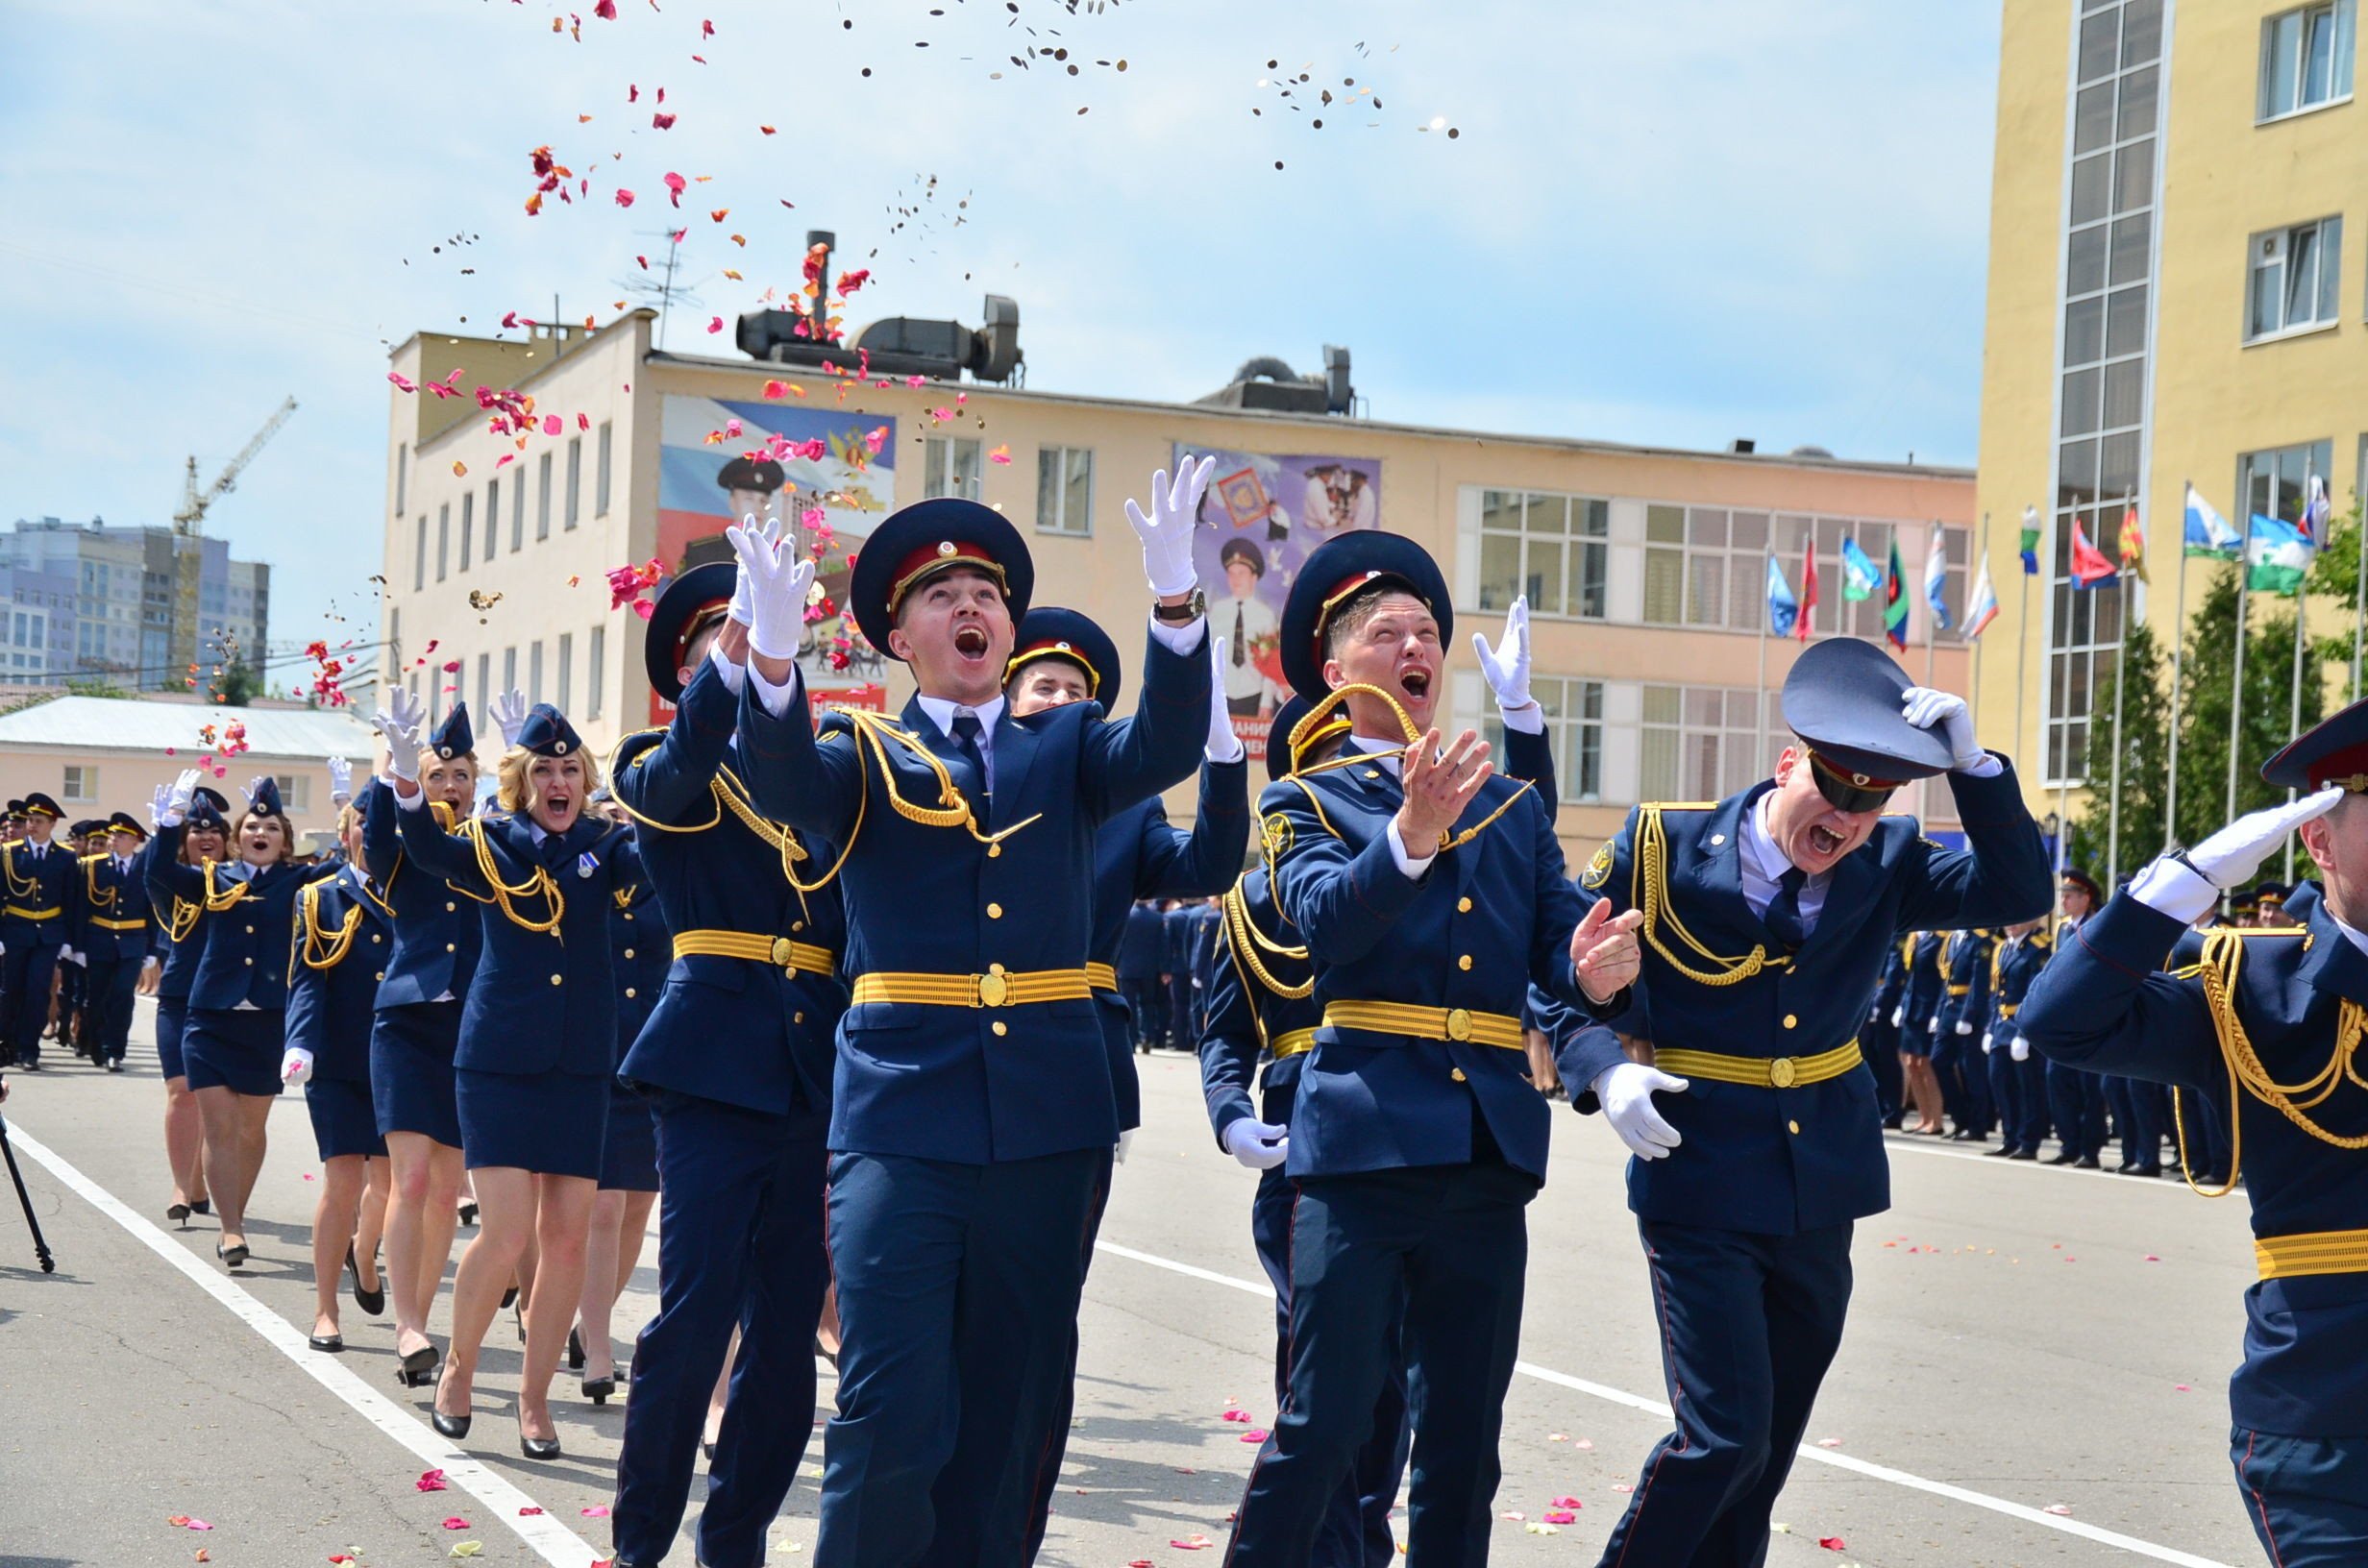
<point>1822,1455</point>
<point>554,1542</point>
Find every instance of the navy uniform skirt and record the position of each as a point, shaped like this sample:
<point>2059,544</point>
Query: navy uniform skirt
<point>172,1020</point>
<point>412,1070</point>
<point>233,1048</point>
<point>629,1160</point>
<point>343,1120</point>
<point>552,1123</point>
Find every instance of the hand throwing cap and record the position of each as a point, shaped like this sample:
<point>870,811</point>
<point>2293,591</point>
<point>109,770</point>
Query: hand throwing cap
<point>1842,699</point>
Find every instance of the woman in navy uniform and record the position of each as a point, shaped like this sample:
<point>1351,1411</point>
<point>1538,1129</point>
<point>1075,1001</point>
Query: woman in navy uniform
<point>2262,1023</point>
<point>113,937</point>
<point>1956,1034</point>
<point>537,1036</point>
<point>343,935</point>
<point>1917,1019</point>
<point>232,1043</point>
<point>639,953</point>
<point>2076,1099</point>
<point>736,1064</point>
<point>975,1109</point>
<point>36,884</point>
<point>415,1030</point>
<point>205,836</point>
<point>2018,1079</point>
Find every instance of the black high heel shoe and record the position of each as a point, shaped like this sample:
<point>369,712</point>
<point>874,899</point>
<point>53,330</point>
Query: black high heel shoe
<point>201,1205</point>
<point>328,1343</point>
<point>233,1256</point>
<point>178,1212</point>
<point>419,1367</point>
<point>598,1390</point>
<point>468,1212</point>
<point>538,1448</point>
<point>454,1427</point>
<point>575,1351</point>
<point>373,1302</point>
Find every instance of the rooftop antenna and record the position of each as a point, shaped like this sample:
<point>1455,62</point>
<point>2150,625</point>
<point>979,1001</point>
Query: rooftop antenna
<point>662,290</point>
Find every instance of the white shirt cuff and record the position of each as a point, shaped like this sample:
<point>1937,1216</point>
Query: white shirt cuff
<point>1233,753</point>
<point>416,801</point>
<point>1529,717</point>
<point>1990,767</point>
<point>776,700</point>
<point>735,675</point>
<point>2168,888</point>
<point>1407,862</point>
<point>1183,639</point>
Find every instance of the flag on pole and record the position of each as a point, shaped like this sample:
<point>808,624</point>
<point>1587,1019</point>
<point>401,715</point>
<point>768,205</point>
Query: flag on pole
<point>1859,578</point>
<point>2208,533</point>
<point>1982,604</point>
<point>2089,567</point>
<point>2277,557</point>
<point>1936,579</point>
<point>2132,544</point>
<point>1895,599</point>
<point>1782,609</point>
<point>1806,628</point>
<point>2030,541</point>
<point>2313,522</point>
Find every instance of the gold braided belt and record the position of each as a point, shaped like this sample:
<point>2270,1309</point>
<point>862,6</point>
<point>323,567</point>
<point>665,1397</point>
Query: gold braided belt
<point>796,957</point>
<point>1759,1072</point>
<point>1296,1043</point>
<point>2318,1252</point>
<point>1101,977</point>
<point>119,925</point>
<point>997,987</point>
<point>24,914</point>
<point>1452,1023</point>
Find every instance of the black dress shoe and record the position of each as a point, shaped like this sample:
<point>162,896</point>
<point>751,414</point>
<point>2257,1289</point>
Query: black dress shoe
<point>1893,1121</point>
<point>575,1351</point>
<point>508,1296</point>
<point>598,1390</point>
<point>2004,1151</point>
<point>2088,1161</point>
<point>538,1448</point>
<point>2024,1154</point>
<point>2142,1170</point>
<point>114,1065</point>
<point>2066,1158</point>
<point>468,1212</point>
<point>330,1343</point>
<point>178,1212</point>
<point>373,1302</point>
<point>232,1258</point>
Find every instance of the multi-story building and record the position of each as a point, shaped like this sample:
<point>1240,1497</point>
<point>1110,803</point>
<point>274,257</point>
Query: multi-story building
<point>2170,301</point>
<point>112,600</point>
<point>1645,569</point>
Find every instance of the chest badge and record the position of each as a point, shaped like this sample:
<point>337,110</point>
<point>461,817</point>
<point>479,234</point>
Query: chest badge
<point>1598,869</point>
<point>587,864</point>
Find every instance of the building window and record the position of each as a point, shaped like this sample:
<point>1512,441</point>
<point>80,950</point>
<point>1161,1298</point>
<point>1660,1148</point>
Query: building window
<point>419,556</point>
<point>517,513</point>
<point>81,785</point>
<point>493,515</point>
<point>1699,742</point>
<point>1552,547</point>
<point>1705,566</point>
<point>443,538</point>
<point>535,673</point>
<point>2306,58</point>
<point>402,476</point>
<point>510,670</point>
<point>949,466</point>
<point>567,667</point>
<point>2277,482</point>
<point>596,673</point>
<point>575,481</point>
<point>295,792</point>
<point>1065,490</point>
<point>542,499</point>
<point>468,528</point>
<point>2296,275</point>
<point>600,475</point>
<point>484,683</point>
<point>1574,727</point>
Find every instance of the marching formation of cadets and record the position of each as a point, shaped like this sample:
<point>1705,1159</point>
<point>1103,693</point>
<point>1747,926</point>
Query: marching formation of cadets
<point>859,1001</point>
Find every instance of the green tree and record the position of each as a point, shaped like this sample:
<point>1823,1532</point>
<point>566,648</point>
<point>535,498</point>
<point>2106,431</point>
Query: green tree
<point>94,686</point>
<point>239,684</point>
<point>2208,723</point>
<point>2334,599</point>
<point>2143,746</point>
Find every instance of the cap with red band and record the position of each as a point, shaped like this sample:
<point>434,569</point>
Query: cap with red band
<point>2335,752</point>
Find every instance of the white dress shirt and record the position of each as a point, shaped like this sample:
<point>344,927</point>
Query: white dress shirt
<point>1765,865</point>
<point>943,713</point>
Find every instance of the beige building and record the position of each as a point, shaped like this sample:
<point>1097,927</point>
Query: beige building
<point>1645,569</point>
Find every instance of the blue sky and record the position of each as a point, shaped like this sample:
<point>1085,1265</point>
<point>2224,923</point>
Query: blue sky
<point>1676,223</point>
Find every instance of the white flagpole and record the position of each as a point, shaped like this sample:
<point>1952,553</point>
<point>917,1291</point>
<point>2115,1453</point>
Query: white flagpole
<point>2179,652</point>
<point>2121,684</point>
<point>2236,681</point>
<point>2359,606</point>
<point>1931,639</point>
<point>2294,721</point>
<point>2022,649</point>
<point>1767,612</point>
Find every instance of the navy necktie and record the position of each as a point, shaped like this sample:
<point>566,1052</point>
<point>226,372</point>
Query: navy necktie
<point>966,731</point>
<point>1784,911</point>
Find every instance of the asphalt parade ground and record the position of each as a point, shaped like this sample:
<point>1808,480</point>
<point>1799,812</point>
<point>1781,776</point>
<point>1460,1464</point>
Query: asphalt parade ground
<point>2034,1371</point>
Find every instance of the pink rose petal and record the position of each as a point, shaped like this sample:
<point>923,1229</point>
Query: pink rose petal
<point>598,1510</point>
<point>1255,1435</point>
<point>1561,1517</point>
<point>2063,1510</point>
<point>455,1522</point>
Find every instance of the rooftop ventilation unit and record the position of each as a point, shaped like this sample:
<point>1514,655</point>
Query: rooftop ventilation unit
<point>898,346</point>
<point>1269,384</point>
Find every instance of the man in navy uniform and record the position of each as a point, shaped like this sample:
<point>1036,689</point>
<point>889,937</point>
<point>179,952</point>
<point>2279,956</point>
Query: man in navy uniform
<point>2018,1079</point>
<point>974,1108</point>
<point>1956,1034</point>
<point>737,1062</point>
<point>111,936</point>
<point>2242,1017</point>
<point>1431,895</point>
<point>1768,917</point>
<point>1177,927</point>
<point>1880,1035</point>
<point>1143,945</point>
<point>36,884</point>
<point>2076,1100</point>
<point>70,1023</point>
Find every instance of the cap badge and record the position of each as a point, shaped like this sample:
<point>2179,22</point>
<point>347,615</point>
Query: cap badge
<point>945,547</point>
<point>1859,780</point>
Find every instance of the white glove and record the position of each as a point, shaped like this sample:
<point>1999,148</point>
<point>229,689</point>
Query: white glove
<point>1899,1015</point>
<point>340,782</point>
<point>151,961</point>
<point>1506,666</point>
<point>769,531</point>
<point>1166,534</point>
<point>295,1065</point>
<point>1626,1091</point>
<point>1990,1042</point>
<point>1924,707</point>
<point>1258,1144</point>
<point>1964,1028</point>
<point>158,803</point>
<point>2020,1050</point>
<point>1223,745</point>
<point>777,581</point>
<point>509,715</point>
<point>399,723</point>
<point>175,807</point>
<point>67,955</point>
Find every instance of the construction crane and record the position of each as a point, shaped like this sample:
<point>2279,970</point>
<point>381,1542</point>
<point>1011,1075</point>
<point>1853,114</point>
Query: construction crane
<point>189,524</point>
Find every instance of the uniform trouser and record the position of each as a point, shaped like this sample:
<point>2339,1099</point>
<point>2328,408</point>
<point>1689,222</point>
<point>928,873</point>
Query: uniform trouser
<point>1964,1085</point>
<point>1183,1013</point>
<point>952,1483</point>
<point>73,997</point>
<point>1355,1532</point>
<point>740,1241</point>
<point>1882,1052</point>
<point>2075,1101</point>
<point>2204,1150</point>
<point>111,983</point>
<point>957,1297</point>
<point>2138,1116</point>
<point>1441,1250</point>
<point>1147,1005</point>
<point>24,1005</point>
<point>2020,1091</point>
<point>2306,1498</point>
<point>1748,1326</point>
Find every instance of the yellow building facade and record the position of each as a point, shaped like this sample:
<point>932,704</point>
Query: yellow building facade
<point>2172,301</point>
<point>1645,568</point>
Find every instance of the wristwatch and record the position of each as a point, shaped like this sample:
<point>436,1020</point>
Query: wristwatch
<point>1184,613</point>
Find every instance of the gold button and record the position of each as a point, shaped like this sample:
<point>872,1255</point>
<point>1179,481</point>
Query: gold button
<point>1793,1125</point>
<point>993,850</point>
<point>381,975</point>
<point>995,912</point>
<point>249,962</point>
<point>1463,906</point>
<point>1457,1075</point>
<point>796,1018</point>
<point>629,952</point>
<point>373,939</point>
<point>1792,1020</point>
<point>991,990</point>
<point>448,946</point>
<point>1464,962</point>
<point>628,994</point>
<point>1780,1073</point>
<point>1459,1024</point>
<point>999,1027</point>
<point>994,969</point>
<point>797,925</point>
<point>629,916</point>
<point>452,906</point>
<point>554,979</point>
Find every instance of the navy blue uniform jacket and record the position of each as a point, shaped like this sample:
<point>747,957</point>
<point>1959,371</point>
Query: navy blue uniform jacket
<point>731,1030</point>
<point>2101,1006</point>
<point>106,901</point>
<point>438,935</point>
<point>245,916</point>
<point>1926,990</point>
<point>640,955</point>
<point>936,1081</point>
<point>1743,1166</point>
<point>343,939</point>
<point>40,893</point>
<point>1964,961</point>
<point>1142,943</point>
<point>2015,964</point>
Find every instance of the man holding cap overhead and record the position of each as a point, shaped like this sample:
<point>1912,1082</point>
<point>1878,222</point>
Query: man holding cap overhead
<point>2262,1024</point>
<point>1430,894</point>
<point>36,884</point>
<point>111,934</point>
<point>1767,920</point>
<point>975,1110</point>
